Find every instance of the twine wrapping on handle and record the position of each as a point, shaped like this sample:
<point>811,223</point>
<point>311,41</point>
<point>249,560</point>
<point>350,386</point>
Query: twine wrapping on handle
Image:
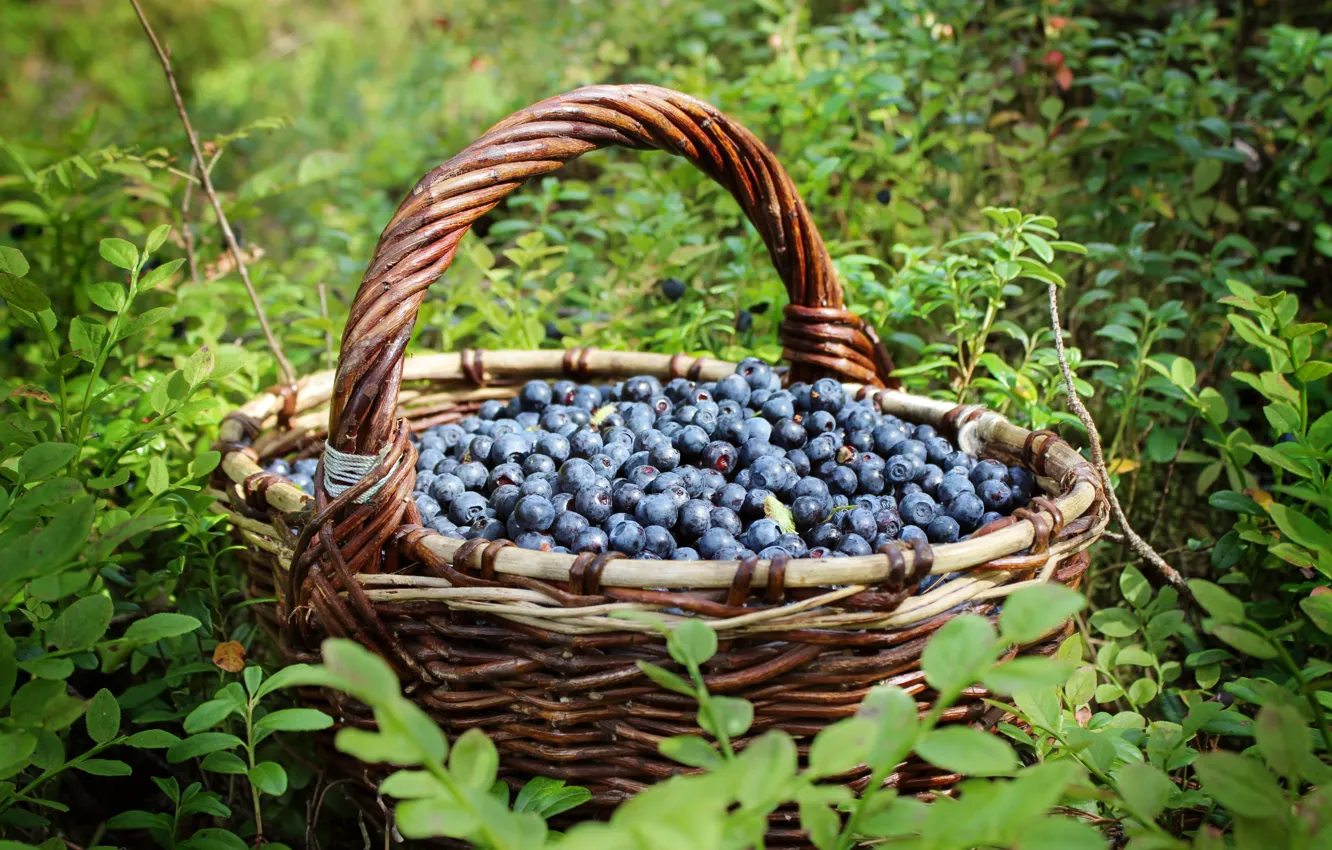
<point>344,471</point>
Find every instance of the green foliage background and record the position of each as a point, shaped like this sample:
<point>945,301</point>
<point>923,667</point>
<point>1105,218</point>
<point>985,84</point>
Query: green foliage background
<point>1180,152</point>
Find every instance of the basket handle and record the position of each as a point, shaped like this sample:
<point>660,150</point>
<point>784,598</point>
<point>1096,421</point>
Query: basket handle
<point>819,335</point>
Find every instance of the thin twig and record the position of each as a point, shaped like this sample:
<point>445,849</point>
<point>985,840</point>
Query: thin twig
<point>186,233</point>
<point>284,365</point>
<point>1164,570</point>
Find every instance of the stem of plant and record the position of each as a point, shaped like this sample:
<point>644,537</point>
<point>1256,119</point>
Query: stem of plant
<point>99,362</point>
<point>254,791</point>
<point>285,369</point>
<point>847,837</point>
<point>1302,686</point>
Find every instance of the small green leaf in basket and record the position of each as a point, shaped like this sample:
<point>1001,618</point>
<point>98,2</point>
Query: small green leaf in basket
<point>779,513</point>
<point>601,413</point>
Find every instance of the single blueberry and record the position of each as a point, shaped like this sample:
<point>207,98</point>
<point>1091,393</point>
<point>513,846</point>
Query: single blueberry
<point>996,495</point>
<point>943,529</point>
<point>628,537</point>
<point>594,503</point>
<point>917,509</point>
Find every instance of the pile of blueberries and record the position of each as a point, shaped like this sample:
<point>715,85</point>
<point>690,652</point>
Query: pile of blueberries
<point>707,470</point>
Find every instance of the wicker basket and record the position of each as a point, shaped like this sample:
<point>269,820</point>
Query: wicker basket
<point>522,644</point>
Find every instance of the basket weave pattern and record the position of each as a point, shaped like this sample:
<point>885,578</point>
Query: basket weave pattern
<point>524,644</point>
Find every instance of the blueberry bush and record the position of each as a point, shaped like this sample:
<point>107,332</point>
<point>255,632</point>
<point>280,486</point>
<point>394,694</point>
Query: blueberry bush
<point>1160,173</point>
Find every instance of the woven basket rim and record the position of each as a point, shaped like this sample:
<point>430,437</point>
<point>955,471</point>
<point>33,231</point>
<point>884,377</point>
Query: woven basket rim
<point>978,429</point>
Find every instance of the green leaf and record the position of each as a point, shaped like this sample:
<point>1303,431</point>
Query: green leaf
<point>1229,500</point>
<point>204,463</point>
<point>666,679</point>
<point>1219,603</point>
<point>1144,788</point>
<point>81,624</point>
<point>1314,370</point>
<point>1283,739</point>
<point>296,674</point>
<point>144,320</point>
<point>16,748</point>
<point>293,720</point>
<point>1142,691</point>
<point>45,459</point>
<point>1026,673</point>
<point>819,821</point>
<point>1114,622</point>
<point>269,778</point>
<point>1081,686</point>
<point>1300,528</point>
<point>108,295</point>
<point>1039,246</point>
<point>136,819</point>
<point>841,746</point>
<point>160,627</point>
<point>152,739</point>
<point>690,750</point>
<point>157,276</point>
<point>1206,173</point>
<point>548,797</point>
<point>13,262</point>
<point>210,714</point>
<point>692,642</point>
<point>474,760</point>
<point>1133,584</point>
<point>1319,610</point>
<point>893,713</point>
<point>48,667</point>
<point>61,540</point>
<point>1033,612</point>
<point>158,479</point>
<point>198,367</point>
<point>436,817</point>
<point>357,671</point>
<point>156,238</point>
<point>119,253</point>
<point>959,652</point>
<point>23,294</point>
<point>1241,785</point>
<point>964,749</point>
<point>411,785</point>
<point>86,337</point>
<point>1060,833</point>
<point>104,767</point>
<point>1134,656</point>
<point>224,762</point>
<point>733,715</point>
<point>201,745</point>
<point>779,513</point>
<point>102,717</point>
<point>1182,373</point>
<point>1245,641</point>
<point>400,718</point>
<point>375,747</point>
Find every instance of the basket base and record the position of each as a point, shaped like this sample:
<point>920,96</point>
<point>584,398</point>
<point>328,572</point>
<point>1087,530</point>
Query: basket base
<point>625,766</point>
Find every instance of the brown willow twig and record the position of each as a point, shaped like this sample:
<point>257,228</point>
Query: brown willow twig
<point>1166,572</point>
<point>284,365</point>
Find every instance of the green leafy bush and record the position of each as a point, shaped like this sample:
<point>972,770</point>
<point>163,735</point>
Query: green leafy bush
<point>1172,166</point>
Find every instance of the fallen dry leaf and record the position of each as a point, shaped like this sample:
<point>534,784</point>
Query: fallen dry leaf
<point>230,656</point>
